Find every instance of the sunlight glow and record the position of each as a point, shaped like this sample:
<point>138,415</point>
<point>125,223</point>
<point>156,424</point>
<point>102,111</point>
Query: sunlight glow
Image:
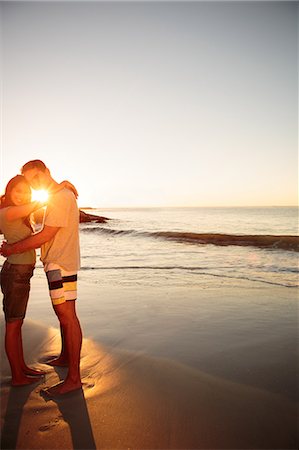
<point>40,196</point>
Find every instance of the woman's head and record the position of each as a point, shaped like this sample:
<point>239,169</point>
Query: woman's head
<point>17,192</point>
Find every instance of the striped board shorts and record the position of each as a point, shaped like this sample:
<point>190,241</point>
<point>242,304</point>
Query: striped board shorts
<point>62,284</point>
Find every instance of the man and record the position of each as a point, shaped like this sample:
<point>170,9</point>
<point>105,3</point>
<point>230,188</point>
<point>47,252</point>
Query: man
<point>60,254</point>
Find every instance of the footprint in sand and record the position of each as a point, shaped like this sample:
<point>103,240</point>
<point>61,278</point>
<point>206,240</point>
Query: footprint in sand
<point>51,424</point>
<point>88,383</point>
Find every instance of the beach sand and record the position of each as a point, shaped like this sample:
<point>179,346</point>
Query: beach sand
<point>134,397</point>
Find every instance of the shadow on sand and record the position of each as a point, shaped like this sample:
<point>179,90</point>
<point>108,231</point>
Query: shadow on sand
<point>17,398</point>
<point>74,411</point>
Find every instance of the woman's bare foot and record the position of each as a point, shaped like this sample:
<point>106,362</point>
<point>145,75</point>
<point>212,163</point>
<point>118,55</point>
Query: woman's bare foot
<point>61,388</point>
<point>33,372</point>
<point>24,381</point>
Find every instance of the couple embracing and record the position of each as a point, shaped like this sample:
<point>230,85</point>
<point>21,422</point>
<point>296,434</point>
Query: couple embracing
<point>60,254</point>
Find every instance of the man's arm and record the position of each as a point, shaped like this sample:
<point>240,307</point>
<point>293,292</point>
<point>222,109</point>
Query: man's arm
<point>34,241</point>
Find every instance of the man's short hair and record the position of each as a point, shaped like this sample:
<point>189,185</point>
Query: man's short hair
<point>34,164</point>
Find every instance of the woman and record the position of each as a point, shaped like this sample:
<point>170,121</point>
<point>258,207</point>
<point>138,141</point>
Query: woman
<point>15,210</point>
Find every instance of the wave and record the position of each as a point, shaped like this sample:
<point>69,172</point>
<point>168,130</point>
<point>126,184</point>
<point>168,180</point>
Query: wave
<point>284,242</point>
<point>143,268</point>
<point>196,270</point>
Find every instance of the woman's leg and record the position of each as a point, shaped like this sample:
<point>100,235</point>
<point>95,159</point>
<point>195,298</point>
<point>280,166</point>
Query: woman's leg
<point>27,370</point>
<point>12,348</point>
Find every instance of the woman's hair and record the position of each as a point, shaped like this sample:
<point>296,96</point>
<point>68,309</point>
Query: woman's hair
<point>5,199</point>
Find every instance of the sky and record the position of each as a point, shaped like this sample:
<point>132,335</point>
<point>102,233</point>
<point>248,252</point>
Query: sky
<point>144,104</point>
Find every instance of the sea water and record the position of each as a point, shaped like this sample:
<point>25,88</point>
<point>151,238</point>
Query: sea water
<point>128,249</point>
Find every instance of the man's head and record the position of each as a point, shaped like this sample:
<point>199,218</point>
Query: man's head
<point>37,174</point>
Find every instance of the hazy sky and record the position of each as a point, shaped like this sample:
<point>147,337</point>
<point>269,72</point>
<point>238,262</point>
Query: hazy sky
<point>154,103</point>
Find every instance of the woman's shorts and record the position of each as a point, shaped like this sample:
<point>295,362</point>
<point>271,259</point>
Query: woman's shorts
<point>15,286</point>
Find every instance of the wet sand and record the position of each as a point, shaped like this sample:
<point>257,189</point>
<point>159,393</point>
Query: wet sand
<point>135,397</point>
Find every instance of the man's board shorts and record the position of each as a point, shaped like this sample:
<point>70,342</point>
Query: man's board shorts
<point>62,284</point>
<point>15,286</point>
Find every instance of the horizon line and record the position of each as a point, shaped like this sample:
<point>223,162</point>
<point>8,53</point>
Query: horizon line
<point>198,206</point>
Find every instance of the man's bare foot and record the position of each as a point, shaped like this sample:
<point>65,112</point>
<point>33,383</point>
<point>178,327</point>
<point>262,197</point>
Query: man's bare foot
<point>24,381</point>
<point>62,388</point>
<point>33,372</point>
<point>60,362</point>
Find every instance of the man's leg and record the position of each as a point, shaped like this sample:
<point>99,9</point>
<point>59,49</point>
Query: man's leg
<point>62,359</point>
<point>57,287</point>
<point>72,333</point>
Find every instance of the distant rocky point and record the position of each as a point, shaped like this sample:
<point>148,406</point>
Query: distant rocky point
<point>86,217</point>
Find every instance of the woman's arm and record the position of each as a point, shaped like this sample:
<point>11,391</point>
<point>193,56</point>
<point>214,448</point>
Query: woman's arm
<point>68,185</point>
<point>18,212</point>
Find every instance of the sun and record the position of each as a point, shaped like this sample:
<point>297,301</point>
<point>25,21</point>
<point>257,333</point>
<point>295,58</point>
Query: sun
<point>40,195</point>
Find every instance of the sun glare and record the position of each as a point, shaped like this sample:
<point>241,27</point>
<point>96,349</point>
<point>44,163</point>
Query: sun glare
<point>39,196</point>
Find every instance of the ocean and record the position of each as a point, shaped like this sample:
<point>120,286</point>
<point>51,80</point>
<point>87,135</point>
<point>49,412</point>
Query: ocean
<point>165,247</point>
